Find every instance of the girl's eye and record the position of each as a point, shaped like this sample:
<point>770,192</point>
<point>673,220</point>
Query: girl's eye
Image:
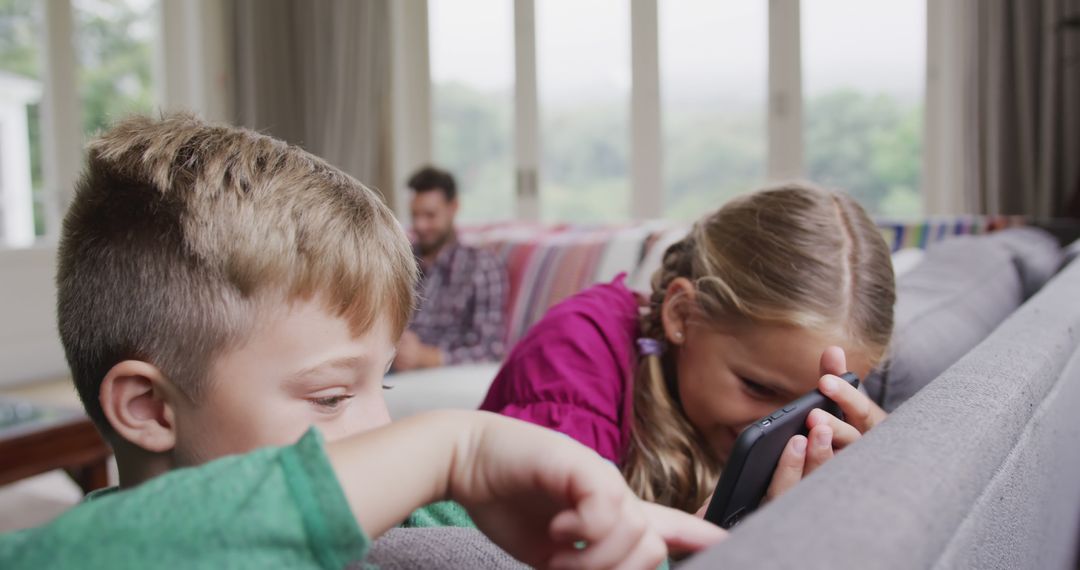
<point>331,403</point>
<point>756,389</point>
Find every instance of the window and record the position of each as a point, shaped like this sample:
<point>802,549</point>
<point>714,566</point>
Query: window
<point>861,66</point>
<point>713,64</point>
<point>583,75</point>
<point>864,75</point>
<point>113,42</point>
<point>114,45</point>
<point>472,73</point>
<point>21,206</point>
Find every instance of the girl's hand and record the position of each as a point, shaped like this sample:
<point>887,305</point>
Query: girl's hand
<point>827,432</point>
<point>860,412</point>
<point>537,493</point>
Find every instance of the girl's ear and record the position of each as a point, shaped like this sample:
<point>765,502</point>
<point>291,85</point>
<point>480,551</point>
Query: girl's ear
<point>676,310</point>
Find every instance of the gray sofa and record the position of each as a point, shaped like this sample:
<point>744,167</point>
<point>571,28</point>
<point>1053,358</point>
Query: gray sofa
<point>978,465</point>
<point>960,291</point>
<point>980,469</point>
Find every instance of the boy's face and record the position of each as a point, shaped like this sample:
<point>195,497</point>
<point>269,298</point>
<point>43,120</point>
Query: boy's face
<point>300,367</point>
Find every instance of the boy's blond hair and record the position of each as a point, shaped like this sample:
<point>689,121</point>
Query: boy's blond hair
<point>179,228</point>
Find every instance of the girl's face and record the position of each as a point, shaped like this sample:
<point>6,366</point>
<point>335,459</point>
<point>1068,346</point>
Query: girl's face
<point>730,376</point>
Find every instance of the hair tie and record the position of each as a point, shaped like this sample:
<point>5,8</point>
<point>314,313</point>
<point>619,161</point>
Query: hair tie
<point>649,346</point>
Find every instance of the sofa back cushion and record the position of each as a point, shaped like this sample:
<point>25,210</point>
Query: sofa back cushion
<point>1071,252</point>
<point>548,264</point>
<point>1036,254</point>
<point>960,292</point>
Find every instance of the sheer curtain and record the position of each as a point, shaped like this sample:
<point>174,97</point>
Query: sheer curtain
<point>316,73</point>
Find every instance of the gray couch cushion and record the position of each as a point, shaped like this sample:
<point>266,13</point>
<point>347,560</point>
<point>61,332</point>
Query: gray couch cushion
<point>1036,254</point>
<point>978,470</point>
<point>961,291</point>
<point>1072,252</point>
<point>445,547</point>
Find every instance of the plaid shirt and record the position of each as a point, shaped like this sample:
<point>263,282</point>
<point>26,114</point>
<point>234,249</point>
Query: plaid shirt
<point>462,296</point>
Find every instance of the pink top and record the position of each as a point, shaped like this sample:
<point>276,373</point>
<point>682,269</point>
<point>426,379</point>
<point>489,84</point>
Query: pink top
<point>573,371</point>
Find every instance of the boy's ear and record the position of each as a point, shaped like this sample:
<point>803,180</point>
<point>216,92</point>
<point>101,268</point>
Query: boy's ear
<point>140,403</point>
<point>675,312</point>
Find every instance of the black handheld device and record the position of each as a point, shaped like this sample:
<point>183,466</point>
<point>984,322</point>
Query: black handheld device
<point>749,470</point>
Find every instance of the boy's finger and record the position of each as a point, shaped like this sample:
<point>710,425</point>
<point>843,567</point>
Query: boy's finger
<point>680,531</point>
<point>595,496</point>
<point>648,553</point>
<point>859,410</point>
<point>598,516</point>
<point>819,448</point>
<point>566,527</point>
<point>608,550</point>
<point>789,470</point>
<point>844,434</point>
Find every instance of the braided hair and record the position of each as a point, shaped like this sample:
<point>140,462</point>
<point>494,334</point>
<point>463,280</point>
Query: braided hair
<point>791,255</point>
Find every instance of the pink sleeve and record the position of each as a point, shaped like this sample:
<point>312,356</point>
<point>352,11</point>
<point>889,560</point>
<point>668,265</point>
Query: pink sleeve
<point>569,374</point>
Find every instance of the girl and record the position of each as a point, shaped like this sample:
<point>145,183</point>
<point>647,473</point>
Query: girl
<point>764,300</point>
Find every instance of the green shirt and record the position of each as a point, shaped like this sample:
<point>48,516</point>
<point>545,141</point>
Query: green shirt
<point>271,508</point>
<point>445,513</point>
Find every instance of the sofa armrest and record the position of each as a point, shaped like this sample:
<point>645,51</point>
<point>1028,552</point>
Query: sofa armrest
<point>460,387</point>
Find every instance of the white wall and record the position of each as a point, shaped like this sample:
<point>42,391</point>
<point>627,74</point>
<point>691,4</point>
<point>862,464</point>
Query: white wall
<point>29,343</point>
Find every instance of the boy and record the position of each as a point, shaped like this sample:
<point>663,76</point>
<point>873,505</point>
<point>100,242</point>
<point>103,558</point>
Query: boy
<point>221,292</point>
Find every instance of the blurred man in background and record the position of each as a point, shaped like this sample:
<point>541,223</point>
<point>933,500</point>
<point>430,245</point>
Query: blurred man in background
<point>462,289</point>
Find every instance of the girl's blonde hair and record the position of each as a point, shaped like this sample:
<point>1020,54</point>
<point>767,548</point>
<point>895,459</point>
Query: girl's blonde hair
<point>791,255</point>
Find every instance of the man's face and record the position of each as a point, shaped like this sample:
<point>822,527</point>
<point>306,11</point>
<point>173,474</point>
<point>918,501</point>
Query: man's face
<point>432,219</point>
<point>301,367</point>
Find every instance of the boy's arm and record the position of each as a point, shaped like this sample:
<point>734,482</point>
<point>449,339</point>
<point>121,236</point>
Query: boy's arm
<point>534,492</point>
<point>387,473</point>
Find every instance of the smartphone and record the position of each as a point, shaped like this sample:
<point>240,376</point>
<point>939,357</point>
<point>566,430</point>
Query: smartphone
<point>749,470</point>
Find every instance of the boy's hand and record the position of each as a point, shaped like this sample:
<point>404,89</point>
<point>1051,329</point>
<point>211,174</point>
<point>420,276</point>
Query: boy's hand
<point>537,493</point>
<point>827,432</point>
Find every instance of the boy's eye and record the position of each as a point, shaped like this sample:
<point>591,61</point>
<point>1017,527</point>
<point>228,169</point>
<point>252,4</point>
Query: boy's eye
<point>331,403</point>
